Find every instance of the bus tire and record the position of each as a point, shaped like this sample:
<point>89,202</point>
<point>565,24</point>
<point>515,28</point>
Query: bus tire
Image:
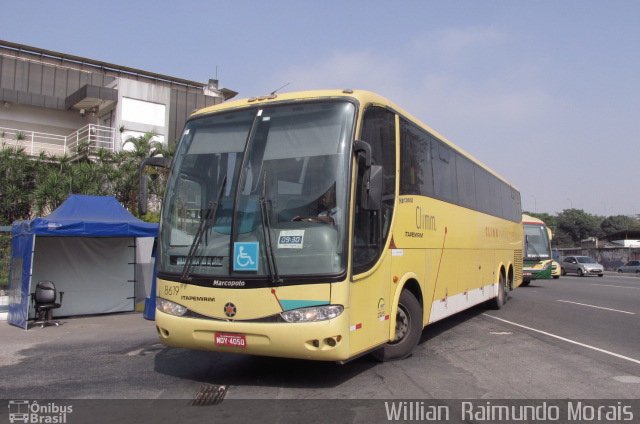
<point>525,283</point>
<point>408,329</point>
<point>499,301</point>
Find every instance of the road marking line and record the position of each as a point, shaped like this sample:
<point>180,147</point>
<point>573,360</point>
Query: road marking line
<point>597,307</point>
<point>611,285</point>
<point>617,355</point>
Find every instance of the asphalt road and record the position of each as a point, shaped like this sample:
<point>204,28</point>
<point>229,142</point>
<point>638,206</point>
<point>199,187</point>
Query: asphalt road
<point>568,338</point>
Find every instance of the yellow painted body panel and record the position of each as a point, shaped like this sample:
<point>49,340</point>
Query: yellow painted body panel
<point>250,304</point>
<point>294,340</point>
<point>456,251</point>
<point>369,308</point>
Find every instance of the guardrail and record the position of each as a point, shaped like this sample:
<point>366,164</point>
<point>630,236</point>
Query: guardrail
<point>93,136</point>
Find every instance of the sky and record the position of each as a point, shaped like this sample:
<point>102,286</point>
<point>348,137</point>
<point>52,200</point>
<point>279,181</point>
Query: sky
<point>546,93</point>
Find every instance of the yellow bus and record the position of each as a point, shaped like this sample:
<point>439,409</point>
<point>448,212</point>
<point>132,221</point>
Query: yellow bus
<point>325,225</point>
<point>537,262</point>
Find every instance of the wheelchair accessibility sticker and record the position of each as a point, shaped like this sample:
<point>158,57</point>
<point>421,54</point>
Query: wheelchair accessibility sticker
<point>245,256</point>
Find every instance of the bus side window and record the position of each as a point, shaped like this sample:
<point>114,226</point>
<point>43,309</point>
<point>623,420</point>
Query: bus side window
<point>371,228</point>
<point>416,173</point>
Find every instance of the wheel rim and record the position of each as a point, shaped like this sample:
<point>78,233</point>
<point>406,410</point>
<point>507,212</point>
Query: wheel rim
<point>402,324</point>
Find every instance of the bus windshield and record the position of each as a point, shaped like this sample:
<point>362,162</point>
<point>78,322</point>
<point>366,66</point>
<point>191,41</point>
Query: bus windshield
<point>260,192</point>
<point>536,242</point>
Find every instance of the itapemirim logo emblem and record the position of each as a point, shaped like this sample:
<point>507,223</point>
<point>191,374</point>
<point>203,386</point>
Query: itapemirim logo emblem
<point>26,411</point>
<point>230,310</point>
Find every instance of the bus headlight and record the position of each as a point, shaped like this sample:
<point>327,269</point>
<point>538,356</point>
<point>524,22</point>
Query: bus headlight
<point>169,307</point>
<point>315,313</point>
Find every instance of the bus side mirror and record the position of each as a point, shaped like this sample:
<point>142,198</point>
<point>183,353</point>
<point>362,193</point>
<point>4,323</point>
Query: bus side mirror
<point>372,188</point>
<point>364,148</point>
<point>143,195</point>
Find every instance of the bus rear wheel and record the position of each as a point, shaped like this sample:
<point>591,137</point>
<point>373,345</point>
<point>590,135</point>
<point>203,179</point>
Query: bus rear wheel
<point>499,301</point>
<point>408,330</point>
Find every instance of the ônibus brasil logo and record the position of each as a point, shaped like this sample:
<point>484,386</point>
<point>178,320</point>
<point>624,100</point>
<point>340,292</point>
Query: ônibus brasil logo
<point>25,411</point>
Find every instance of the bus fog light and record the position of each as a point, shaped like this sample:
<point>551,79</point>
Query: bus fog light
<point>170,308</point>
<point>316,313</point>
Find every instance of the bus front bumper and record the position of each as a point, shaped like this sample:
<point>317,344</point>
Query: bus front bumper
<point>321,340</point>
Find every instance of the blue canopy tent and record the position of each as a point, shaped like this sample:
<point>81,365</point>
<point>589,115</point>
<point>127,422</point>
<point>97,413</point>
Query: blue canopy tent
<point>87,247</point>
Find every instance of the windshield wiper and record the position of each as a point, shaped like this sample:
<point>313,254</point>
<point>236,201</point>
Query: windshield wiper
<point>205,221</point>
<point>266,226</point>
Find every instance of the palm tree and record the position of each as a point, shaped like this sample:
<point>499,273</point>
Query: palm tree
<point>51,192</point>
<point>135,150</point>
<point>143,147</point>
<point>31,185</point>
<point>16,182</point>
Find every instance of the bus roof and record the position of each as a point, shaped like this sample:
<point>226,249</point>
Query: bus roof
<point>363,97</point>
<point>528,219</point>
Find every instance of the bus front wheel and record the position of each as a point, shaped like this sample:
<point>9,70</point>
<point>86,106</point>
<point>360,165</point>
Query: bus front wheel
<point>408,330</point>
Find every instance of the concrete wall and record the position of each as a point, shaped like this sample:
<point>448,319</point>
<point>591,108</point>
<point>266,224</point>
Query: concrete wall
<point>36,80</point>
<point>139,90</point>
<point>29,118</point>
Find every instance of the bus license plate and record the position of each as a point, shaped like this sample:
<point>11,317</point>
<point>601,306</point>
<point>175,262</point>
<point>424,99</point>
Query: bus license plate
<point>233,340</point>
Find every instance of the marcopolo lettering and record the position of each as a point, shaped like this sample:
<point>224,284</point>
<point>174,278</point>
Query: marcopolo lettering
<point>228,283</point>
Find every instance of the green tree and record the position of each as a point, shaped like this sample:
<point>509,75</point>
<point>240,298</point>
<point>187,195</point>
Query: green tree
<point>127,179</point>
<point>574,225</point>
<point>38,185</point>
<point>51,191</point>
<point>16,184</point>
<point>613,224</point>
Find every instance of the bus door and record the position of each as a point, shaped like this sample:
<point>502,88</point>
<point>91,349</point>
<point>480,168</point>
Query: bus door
<point>371,267</point>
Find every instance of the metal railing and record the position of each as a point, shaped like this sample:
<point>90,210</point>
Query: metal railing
<point>33,142</point>
<point>95,137</point>
<point>92,136</point>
